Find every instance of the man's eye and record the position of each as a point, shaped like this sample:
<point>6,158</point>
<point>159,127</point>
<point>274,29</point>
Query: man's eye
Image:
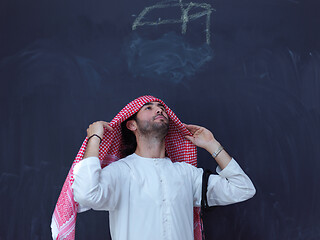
<point>148,107</point>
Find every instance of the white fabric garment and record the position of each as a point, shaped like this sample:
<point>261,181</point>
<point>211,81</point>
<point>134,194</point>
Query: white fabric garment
<point>153,198</point>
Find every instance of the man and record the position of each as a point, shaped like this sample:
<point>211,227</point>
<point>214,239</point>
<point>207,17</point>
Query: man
<point>150,194</point>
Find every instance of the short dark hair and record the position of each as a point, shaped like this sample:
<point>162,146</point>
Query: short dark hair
<point>128,139</point>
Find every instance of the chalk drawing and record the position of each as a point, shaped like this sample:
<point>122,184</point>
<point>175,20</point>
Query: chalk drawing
<point>205,9</point>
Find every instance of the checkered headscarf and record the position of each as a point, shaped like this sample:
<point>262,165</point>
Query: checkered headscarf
<point>178,149</point>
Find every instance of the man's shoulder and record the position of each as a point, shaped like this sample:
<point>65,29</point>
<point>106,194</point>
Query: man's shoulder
<point>182,164</point>
<point>186,167</point>
<point>127,158</point>
<point>124,162</point>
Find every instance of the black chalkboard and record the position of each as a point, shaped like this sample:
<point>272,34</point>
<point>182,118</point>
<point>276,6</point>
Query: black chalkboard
<point>248,70</point>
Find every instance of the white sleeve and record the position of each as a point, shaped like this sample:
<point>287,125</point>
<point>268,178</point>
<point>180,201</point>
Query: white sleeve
<point>232,185</point>
<point>97,188</point>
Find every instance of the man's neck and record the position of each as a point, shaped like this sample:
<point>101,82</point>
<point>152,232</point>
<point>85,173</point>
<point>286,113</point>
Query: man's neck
<point>150,147</point>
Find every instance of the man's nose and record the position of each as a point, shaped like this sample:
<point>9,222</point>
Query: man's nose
<point>159,110</point>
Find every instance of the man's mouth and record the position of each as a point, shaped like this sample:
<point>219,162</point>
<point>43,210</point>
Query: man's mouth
<point>161,117</point>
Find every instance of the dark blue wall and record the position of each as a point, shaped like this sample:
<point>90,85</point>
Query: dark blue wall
<point>65,64</point>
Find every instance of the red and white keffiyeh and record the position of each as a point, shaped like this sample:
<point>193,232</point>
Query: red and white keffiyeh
<point>178,149</point>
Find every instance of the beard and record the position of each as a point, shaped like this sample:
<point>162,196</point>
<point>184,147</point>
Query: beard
<point>152,128</point>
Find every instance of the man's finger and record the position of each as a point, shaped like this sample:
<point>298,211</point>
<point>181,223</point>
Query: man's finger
<point>192,128</point>
<point>190,138</point>
<point>107,126</point>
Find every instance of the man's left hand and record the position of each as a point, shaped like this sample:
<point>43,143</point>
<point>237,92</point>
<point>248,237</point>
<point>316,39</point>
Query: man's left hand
<point>201,137</point>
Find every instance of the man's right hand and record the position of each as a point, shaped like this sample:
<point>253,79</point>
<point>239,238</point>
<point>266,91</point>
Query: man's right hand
<point>92,149</point>
<point>98,128</point>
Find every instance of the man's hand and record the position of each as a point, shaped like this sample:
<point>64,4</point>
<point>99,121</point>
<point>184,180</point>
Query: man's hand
<point>202,137</point>
<point>98,128</point>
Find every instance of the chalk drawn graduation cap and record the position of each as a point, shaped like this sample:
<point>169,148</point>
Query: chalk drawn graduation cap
<point>198,10</point>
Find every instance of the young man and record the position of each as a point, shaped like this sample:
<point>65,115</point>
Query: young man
<point>149,196</point>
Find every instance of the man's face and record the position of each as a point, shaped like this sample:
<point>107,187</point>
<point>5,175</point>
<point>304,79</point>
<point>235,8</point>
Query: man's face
<point>153,119</point>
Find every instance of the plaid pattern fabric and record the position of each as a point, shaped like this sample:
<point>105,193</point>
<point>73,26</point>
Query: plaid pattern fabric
<point>178,149</point>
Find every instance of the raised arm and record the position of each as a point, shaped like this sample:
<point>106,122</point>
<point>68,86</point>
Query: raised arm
<point>94,187</point>
<point>231,185</point>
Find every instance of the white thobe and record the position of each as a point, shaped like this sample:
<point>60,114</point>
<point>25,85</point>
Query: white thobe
<point>153,198</point>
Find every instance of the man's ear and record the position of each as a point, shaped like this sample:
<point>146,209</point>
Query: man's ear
<point>131,125</point>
